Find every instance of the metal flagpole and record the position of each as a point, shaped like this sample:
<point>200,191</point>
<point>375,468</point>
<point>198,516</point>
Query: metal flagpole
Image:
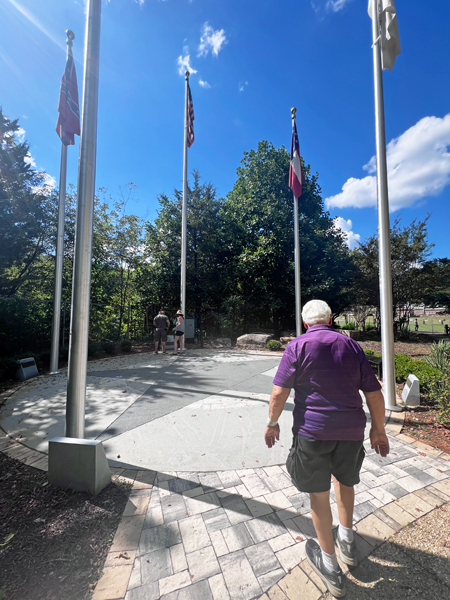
<point>79,324</point>
<point>384,244</point>
<point>54,355</point>
<point>298,302</point>
<point>184,208</point>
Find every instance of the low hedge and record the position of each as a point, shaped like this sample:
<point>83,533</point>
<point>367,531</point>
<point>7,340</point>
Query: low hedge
<point>273,345</point>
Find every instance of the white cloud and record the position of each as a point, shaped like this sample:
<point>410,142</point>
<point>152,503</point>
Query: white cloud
<point>242,86</point>
<point>327,6</point>
<point>204,84</point>
<point>211,40</point>
<point>184,63</point>
<point>418,164</point>
<point>20,135</point>
<point>336,5</point>
<point>29,160</point>
<point>346,228</point>
<point>49,181</point>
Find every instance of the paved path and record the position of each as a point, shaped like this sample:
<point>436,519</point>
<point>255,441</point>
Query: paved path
<point>213,514</point>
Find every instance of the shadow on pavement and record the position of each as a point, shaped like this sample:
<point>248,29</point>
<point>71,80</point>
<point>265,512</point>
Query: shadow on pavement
<point>413,564</point>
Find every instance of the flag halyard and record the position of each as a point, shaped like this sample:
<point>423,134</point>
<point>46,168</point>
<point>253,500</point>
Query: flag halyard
<point>190,118</point>
<point>296,178</point>
<point>69,110</point>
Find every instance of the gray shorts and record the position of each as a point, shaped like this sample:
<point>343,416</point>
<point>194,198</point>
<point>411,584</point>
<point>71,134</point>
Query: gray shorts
<point>311,463</point>
<point>161,335</point>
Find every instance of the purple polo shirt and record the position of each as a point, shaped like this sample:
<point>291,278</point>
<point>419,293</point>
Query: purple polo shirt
<point>327,370</point>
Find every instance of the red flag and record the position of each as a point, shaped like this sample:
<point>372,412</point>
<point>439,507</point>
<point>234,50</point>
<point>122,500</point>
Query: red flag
<point>190,119</point>
<point>69,111</point>
<point>296,178</point>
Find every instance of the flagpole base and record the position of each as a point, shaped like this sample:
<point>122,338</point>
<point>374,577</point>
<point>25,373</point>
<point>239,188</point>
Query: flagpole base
<point>78,464</point>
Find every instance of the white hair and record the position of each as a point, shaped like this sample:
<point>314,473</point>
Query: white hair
<point>316,312</point>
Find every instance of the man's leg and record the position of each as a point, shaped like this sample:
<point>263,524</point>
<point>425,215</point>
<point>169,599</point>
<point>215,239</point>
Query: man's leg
<point>345,498</point>
<point>322,557</point>
<point>164,346</point>
<point>323,520</point>
<point>156,347</point>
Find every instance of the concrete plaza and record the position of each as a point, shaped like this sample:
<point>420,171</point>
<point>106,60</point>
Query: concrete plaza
<point>213,514</point>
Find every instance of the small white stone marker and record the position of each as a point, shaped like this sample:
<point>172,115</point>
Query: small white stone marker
<point>411,391</point>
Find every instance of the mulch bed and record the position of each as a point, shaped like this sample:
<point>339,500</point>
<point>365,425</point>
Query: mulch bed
<point>414,349</point>
<point>53,542</point>
<point>421,425</point>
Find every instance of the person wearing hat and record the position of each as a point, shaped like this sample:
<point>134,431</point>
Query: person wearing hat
<point>178,332</point>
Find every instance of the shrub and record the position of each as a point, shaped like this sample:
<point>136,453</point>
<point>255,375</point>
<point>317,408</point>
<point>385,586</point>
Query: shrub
<point>426,373</point>
<point>125,346</point>
<point>94,349</point>
<point>440,395</point>
<point>440,356</point>
<point>109,347</point>
<point>351,325</point>
<point>273,345</point>
<point>8,368</point>
<point>370,327</point>
<point>372,353</point>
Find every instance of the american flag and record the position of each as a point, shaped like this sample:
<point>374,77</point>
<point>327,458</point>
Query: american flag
<point>190,118</point>
<point>296,178</point>
<point>69,111</point>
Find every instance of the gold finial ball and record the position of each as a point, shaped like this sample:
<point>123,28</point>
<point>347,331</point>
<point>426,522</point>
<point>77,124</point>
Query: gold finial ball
<point>293,111</point>
<point>187,74</point>
<point>70,34</point>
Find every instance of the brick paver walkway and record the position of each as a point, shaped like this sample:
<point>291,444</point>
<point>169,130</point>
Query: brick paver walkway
<point>240,535</point>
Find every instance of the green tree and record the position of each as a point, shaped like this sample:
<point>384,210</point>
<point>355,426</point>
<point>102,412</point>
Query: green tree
<point>409,249</point>
<point>26,206</point>
<point>259,221</point>
<point>205,252</point>
<point>436,283</point>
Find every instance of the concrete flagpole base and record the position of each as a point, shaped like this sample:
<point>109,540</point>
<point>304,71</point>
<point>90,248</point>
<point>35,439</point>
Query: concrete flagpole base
<point>78,464</point>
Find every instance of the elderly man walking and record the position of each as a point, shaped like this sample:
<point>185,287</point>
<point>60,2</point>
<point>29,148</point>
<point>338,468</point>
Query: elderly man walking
<point>327,370</point>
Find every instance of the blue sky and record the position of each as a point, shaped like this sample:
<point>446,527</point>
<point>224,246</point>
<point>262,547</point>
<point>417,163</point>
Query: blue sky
<point>254,60</point>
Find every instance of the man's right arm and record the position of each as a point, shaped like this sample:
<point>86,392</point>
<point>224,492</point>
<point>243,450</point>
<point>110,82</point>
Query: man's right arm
<point>378,437</point>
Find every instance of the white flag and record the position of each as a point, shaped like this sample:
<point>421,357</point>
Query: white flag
<point>390,40</point>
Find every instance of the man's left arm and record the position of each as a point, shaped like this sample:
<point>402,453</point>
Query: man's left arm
<point>277,401</point>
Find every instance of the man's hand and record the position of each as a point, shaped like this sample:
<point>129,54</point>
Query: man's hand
<point>379,442</point>
<point>271,435</point>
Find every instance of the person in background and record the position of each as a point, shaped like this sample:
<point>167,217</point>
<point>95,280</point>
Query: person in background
<point>178,332</point>
<point>162,324</point>
<point>327,370</point>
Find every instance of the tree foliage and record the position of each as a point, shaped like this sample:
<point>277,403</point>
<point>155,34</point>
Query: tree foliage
<point>409,250</point>
<point>25,210</point>
<point>259,215</point>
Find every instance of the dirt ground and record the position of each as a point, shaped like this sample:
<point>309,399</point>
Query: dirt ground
<point>53,542</point>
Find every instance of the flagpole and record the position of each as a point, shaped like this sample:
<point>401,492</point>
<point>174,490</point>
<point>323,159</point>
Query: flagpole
<point>184,206</point>
<point>298,303</point>
<point>54,354</point>
<point>384,245</point>
<point>79,324</point>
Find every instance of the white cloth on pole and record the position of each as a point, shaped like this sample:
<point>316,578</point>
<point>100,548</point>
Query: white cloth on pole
<point>390,39</point>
